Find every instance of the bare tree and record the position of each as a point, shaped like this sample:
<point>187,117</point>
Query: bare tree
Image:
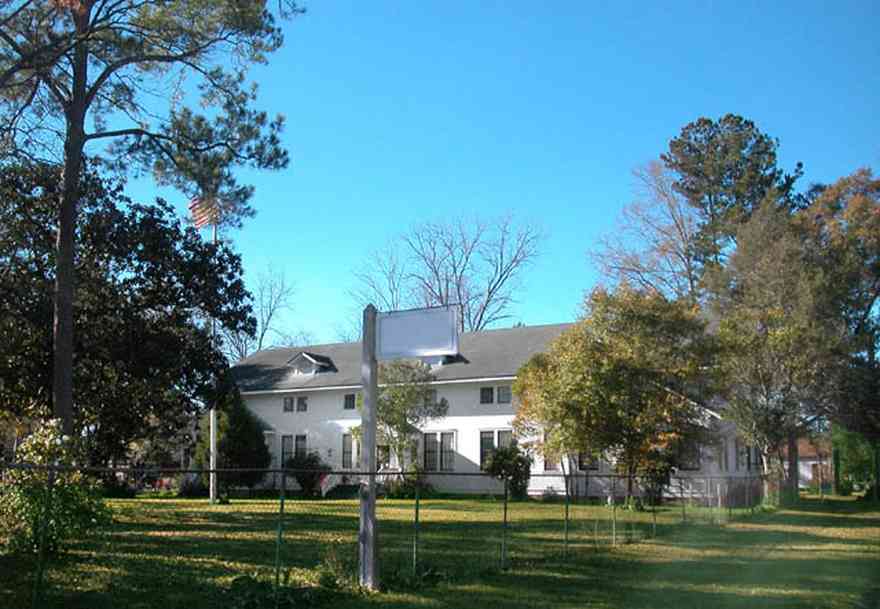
<point>653,245</point>
<point>272,296</point>
<point>382,280</point>
<point>475,264</point>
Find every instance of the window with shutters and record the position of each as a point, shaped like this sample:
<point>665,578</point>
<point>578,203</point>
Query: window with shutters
<point>503,394</point>
<point>587,461</point>
<point>447,451</point>
<point>299,450</point>
<point>286,449</point>
<point>431,450</point>
<point>492,439</point>
<point>347,445</point>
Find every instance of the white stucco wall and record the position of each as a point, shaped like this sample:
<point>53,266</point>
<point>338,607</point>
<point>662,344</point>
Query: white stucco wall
<point>326,421</point>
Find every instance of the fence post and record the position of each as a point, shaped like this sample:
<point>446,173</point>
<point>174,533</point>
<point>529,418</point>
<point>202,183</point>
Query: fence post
<point>415,557</point>
<point>614,511</point>
<point>654,515</point>
<point>278,540</point>
<point>565,538</point>
<point>681,496</point>
<point>710,501</point>
<point>504,529</point>
<point>41,559</point>
<point>749,494</point>
<point>727,498</point>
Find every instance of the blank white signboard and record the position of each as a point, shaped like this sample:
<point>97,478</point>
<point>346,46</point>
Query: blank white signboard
<point>417,333</point>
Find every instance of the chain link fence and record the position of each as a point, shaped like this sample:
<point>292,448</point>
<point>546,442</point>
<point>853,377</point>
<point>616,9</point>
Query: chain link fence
<point>161,524</point>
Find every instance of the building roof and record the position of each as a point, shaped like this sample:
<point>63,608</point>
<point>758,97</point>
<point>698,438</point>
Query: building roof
<point>486,354</point>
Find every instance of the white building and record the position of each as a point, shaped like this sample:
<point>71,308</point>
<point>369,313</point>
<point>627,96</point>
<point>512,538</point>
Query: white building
<point>307,399</point>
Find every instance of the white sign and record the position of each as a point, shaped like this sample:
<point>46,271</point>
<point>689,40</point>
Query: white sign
<point>417,333</point>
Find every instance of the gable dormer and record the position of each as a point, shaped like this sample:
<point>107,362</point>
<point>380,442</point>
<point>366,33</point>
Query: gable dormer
<point>305,362</point>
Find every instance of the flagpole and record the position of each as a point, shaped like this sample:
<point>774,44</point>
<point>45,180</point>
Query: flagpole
<point>213,414</point>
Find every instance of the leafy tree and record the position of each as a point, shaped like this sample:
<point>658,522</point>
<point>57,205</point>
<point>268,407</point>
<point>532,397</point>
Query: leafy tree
<point>144,283</point>
<point>625,381</point>
<point>725,169</point>
<point>405,403</point>
<point>856,455</point>
<point>240,443</point>
<point>81,72</point>
<point>779,345</point>
<point>511,463</point>
<point>243,445</point>
<point>842,229</point>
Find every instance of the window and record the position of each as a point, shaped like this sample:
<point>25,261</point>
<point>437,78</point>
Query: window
<point>587,461</point>
<point>286,449</point>
<point>346,451</point>
<point>487,395</point>
<point>721,456</point>
<point>743,457</point>
<point>269,438</point>
<point>758,463</point>
<point>383,456</point>
<point>302,404</point>
<point>487,445</point>
<point>490,440</point>
<point>689,456</point>
<point>288,404</point>
<point>447,451</point>
<point>349,401</point>
<point>504,394</point>
<point>440,451</point>
<point>430,440</point>
<point>299,450</point>
<point>550,462</point>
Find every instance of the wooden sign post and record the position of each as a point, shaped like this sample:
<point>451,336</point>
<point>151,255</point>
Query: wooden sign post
<point>421,333</point>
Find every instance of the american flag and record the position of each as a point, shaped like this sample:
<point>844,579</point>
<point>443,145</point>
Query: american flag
<point>204,212</point>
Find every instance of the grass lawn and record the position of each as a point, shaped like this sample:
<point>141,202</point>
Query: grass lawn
<point>166,554</point>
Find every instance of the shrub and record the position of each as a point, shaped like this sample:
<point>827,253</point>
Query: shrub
<point>114,488</point>
<point>512,464</point>
<point>405,486</point>
<point>31,512</point>
<point>634,504</point>
<point>310,469</point>
<point>191,486</point>
<point>845,488</point>
<point>240,445</point>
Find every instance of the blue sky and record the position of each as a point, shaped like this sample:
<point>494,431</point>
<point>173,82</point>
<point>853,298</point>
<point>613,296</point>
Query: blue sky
<point>406,111</point>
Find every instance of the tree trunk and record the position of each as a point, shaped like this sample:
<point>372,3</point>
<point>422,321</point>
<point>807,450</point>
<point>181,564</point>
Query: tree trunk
<point>793,467</point>
<point>835,464</point>
<point>765,478</point>
<point>62,387</point>
<point>62,373</point>
<point>877,470</point>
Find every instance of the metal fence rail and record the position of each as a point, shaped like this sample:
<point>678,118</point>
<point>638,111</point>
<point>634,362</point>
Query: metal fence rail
<point>277,529</point>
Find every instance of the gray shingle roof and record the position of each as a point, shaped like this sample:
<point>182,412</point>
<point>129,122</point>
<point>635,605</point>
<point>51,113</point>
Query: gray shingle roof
<point>486,354</point>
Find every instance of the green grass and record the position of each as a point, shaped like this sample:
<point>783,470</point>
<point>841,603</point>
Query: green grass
<point>173,553</point>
